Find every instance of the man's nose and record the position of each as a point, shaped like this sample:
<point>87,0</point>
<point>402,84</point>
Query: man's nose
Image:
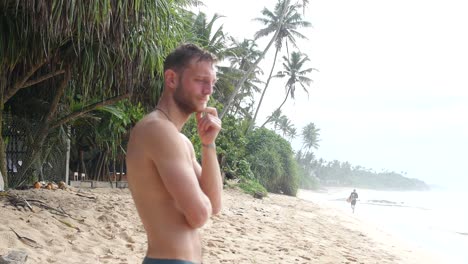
<point>208,89</point>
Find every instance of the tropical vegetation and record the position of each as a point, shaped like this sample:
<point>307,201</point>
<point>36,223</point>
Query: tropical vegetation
<point>75,76</point>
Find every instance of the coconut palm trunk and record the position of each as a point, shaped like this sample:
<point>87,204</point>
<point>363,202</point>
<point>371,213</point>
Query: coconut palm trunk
<point>284,21</point>
<point>241,82</point>
<point>279,108</point>
<point>3,168</point>
<point>252,122</point>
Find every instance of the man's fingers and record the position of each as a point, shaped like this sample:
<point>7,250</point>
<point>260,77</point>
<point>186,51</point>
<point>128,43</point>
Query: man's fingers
<point>209,121</point>
<point>211,111</point>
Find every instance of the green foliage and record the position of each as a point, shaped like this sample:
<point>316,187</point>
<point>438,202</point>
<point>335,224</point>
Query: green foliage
<point>253,187</point>
<point>115,121</point>
<point>230,145</point>
<point>191,132</point>
<point>93,49</point>
<point>231,141</point>
<point>102,136</point>
<point>103,50</point>
<point>244,170</point>
<point>272,161</point>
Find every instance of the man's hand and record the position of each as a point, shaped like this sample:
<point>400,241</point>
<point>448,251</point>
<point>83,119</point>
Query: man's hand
<point>208,125</point>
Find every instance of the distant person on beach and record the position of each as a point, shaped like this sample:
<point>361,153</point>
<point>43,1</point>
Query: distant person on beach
<point>174,194</point>
<point>353,198</point>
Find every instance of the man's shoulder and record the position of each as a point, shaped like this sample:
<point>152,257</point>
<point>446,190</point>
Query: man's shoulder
<point>150,133</point>
<point>151,126</point>
<point>185,138</point>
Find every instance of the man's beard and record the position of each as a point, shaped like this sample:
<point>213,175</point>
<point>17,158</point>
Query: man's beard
<point>184,103</point>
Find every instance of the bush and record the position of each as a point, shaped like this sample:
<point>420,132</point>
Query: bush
<point>272,161</point>
<point>253,187</point>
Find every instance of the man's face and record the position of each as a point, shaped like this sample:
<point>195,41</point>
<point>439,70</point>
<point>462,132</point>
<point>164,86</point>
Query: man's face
<point>194,87</point>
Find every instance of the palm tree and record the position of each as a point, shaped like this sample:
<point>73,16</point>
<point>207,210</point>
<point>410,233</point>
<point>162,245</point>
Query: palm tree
<point>292,133</point>
<point>287,29</point>
<point>244,54</point>
<point>283,7</point>
<point>285,125</point>
<point>275,118</point>
<point>296,75</point>
<point>304,5</point>
<point>206,36</point>
<point>241,56</point>
<point>310,137</point>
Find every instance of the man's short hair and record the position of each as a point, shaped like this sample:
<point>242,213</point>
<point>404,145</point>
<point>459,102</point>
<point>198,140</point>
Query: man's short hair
<point>179,59</point>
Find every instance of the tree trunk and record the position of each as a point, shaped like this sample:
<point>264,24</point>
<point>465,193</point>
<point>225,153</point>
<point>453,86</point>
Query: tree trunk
<point>82,164</point>
<point>44,129</point>
<point>284,101</point>
<point>48,125</point>
<point>244,78</point>
<point>6,95</point>
<point>96,166</point>
<point>114,174</point>
<point>3,168</point>
<point>252,122</point>
<point>2,184</point>
<point>67,163</point>
<point>3,164</point>
<point>122,160</point>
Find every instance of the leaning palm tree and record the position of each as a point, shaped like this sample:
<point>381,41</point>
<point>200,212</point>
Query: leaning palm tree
<point>101,52</point>
<point>241,56</point>
<point>283,6</point>
<point>296,76</point>
<point>288,27</point>
<point>244,54</point>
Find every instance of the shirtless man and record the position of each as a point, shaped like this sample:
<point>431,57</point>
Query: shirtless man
<point>173,194</point>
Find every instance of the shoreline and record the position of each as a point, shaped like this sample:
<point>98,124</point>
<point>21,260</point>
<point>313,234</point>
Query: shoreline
<point>301,231</point>
<point>276,229</point>
<point>424,221</point>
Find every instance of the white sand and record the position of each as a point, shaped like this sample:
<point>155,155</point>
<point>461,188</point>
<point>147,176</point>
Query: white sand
<point>277,229</point>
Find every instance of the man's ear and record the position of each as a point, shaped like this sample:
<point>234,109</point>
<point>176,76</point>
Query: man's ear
<point>170,78</point>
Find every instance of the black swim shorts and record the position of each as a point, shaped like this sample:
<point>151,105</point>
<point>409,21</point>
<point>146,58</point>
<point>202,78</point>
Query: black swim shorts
<point>165,261</point>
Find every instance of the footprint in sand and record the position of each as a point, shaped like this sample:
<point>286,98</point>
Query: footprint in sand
<point>350,258</point>
<point>103,218</point>
<point>124,235</point>
<point>130,246</point>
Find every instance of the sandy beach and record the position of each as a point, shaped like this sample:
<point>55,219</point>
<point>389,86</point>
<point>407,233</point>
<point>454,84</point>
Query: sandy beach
<point>101,226</point>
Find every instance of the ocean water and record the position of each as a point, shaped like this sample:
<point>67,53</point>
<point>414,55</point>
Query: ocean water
<point>435,221</point>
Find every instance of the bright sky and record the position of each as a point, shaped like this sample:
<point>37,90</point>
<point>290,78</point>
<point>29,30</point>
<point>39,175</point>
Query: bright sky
<point>392,87</point>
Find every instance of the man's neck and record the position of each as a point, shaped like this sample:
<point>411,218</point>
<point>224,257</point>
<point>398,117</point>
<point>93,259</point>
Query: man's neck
<point>173,113</point>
